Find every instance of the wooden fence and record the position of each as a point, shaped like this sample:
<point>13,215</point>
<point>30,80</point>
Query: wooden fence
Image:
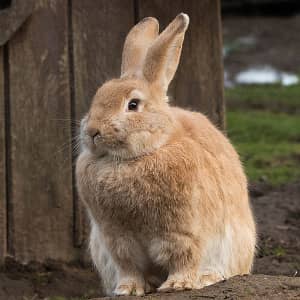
<point>53,56</point>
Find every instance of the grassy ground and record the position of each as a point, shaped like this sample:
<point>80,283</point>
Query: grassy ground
<point>264,124</point>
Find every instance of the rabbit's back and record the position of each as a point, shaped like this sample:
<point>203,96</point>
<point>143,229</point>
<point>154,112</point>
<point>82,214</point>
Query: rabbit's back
<point>217,159</point>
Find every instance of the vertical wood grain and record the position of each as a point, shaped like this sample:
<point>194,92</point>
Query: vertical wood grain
<point>99,31</point>
<point>198,83</point>
<point>41,187</point>
<point>2,164</point>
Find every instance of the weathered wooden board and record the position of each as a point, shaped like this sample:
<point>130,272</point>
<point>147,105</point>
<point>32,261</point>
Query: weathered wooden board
<point>99,31</point>
<point>13,17</point>
<point>199,80</point>
<point>41,223</point>
<point>2,164</point>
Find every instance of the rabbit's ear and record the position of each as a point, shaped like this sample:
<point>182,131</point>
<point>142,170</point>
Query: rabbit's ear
<point>137,42</point>
<point>163,56</point>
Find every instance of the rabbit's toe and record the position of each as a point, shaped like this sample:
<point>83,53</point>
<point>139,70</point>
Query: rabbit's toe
<point>179,284</point>
<point>131,287</point>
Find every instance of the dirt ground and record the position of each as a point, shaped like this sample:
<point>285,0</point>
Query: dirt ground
<point>278,219</point>
<point>240,287</point>
<point>277,210</point>
<point>277,213</point>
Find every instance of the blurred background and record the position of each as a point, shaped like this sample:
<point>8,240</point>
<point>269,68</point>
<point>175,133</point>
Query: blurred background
<point>261,61</point>
<point>261,48</point>
<point>53,56</point>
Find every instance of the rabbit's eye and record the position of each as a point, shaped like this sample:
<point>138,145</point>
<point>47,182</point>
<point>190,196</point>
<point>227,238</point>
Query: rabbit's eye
<point>133,104</point>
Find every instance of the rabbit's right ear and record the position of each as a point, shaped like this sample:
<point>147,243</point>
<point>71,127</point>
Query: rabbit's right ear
<point>163,56</point>
<point>136,45</point>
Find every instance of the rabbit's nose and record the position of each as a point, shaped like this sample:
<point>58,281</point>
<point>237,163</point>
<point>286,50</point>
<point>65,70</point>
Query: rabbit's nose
<point>94,133</point>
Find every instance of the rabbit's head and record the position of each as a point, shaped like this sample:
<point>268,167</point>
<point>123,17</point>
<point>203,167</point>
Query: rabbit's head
<point>130,116</point>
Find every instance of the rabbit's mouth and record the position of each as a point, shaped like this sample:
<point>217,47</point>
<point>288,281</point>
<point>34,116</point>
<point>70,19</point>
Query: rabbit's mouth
<point>97,141</point>
<point>107,143</point>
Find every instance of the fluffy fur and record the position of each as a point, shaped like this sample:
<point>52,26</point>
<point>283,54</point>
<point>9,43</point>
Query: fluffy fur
<point>165,190</point>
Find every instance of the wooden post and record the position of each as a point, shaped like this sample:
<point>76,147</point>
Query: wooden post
<point>2,164</point>
<point>41,224</point>
<point>99,28</point>
<point>198,83</point>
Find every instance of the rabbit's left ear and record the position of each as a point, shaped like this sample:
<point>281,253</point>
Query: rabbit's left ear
<point>137,42</point>
<point>163,56</point>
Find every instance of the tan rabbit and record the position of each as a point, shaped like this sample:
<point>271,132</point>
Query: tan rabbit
<point>165,190</point>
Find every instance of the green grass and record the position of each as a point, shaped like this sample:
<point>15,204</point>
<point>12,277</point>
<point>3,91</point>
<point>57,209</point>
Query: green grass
<point>268,142</point>
<point>263,127</point>
<point>274,163</point>
<point>274,98</point>
<point>277,251</point>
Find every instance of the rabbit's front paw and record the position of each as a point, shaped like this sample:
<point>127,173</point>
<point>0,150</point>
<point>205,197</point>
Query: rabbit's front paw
<point>179,283</point>
<point>132,286</point>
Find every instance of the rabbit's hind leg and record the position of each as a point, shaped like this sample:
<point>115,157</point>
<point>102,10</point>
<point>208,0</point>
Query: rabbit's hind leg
<point>179,255</point>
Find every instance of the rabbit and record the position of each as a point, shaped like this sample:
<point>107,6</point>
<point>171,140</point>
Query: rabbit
<point>164,189</point>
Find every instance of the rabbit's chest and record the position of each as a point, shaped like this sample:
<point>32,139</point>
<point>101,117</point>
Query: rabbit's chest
<point>126,195</point>
<point>137,196</point>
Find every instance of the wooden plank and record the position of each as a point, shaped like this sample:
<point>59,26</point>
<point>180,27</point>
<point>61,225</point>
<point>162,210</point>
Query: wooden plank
<point>99,31</point>
<point>41,224</point>
<point>198,83</point>
<point>2,164</point>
